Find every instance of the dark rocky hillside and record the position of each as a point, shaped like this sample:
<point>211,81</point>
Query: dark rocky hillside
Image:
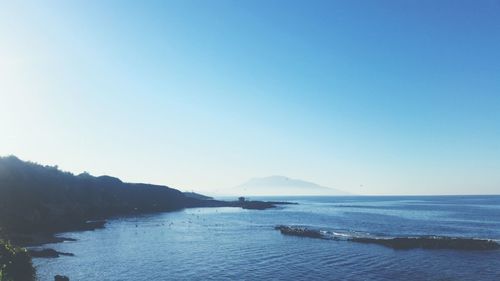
<point>43,199</point>
<point>36,198</point>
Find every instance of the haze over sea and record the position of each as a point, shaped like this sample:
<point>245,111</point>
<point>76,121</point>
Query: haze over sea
<point>236,244</point>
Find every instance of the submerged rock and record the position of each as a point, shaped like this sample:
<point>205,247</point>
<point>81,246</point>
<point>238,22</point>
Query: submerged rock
<point>431,242</point>
<point>61,278</point>
<point>47,253</point>
<point>299,231</point>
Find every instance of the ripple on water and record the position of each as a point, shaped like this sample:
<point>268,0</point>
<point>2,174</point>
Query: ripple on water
<point>231,244</point>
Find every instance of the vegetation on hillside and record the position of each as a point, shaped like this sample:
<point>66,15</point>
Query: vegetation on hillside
<point>15,263</point>
<point>36,198</point>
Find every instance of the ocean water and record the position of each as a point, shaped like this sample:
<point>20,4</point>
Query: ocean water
<point>236,244</point>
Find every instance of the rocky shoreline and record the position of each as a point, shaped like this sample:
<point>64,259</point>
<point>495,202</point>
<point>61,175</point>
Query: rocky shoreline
<point>40,238</point>
<point>31,240</point>
<point>48,253</point>
<point>37,202</point>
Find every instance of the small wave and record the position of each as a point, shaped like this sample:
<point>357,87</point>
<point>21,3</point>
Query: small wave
<point>399,243</point>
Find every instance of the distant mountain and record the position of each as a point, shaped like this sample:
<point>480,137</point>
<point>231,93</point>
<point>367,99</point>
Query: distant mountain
<point>280,185</point>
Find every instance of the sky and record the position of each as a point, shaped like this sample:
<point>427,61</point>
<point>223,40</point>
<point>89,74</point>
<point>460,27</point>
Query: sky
<point>371,97</point>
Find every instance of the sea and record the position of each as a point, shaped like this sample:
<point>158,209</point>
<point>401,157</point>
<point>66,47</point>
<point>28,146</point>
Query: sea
<point>237,244</point>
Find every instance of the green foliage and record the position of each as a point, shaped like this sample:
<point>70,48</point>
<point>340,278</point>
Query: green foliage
<point>15,263</point>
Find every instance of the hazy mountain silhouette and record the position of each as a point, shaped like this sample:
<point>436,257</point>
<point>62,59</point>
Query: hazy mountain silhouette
<point>280,185</point>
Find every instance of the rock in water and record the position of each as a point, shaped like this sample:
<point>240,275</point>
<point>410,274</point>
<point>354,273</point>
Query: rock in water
<point>61,278</point>
<point>299,231</point>
<point>432,242</point>
<point>401,243</point>
<point>47,253</point>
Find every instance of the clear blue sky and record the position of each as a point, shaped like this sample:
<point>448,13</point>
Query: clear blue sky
<point>373,97</point>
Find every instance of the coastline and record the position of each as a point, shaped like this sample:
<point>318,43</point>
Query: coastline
<point>39,239</point>
<point>199,233</point>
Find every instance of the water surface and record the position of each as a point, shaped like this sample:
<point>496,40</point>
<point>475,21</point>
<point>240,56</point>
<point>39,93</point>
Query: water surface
<point>236,244</point>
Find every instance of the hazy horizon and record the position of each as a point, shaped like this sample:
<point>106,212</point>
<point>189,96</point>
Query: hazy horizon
<point>367,97</point>
<point>235,191</point>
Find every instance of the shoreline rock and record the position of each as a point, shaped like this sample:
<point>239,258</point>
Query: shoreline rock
<point>48,253</point>
<point>37,239</point>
